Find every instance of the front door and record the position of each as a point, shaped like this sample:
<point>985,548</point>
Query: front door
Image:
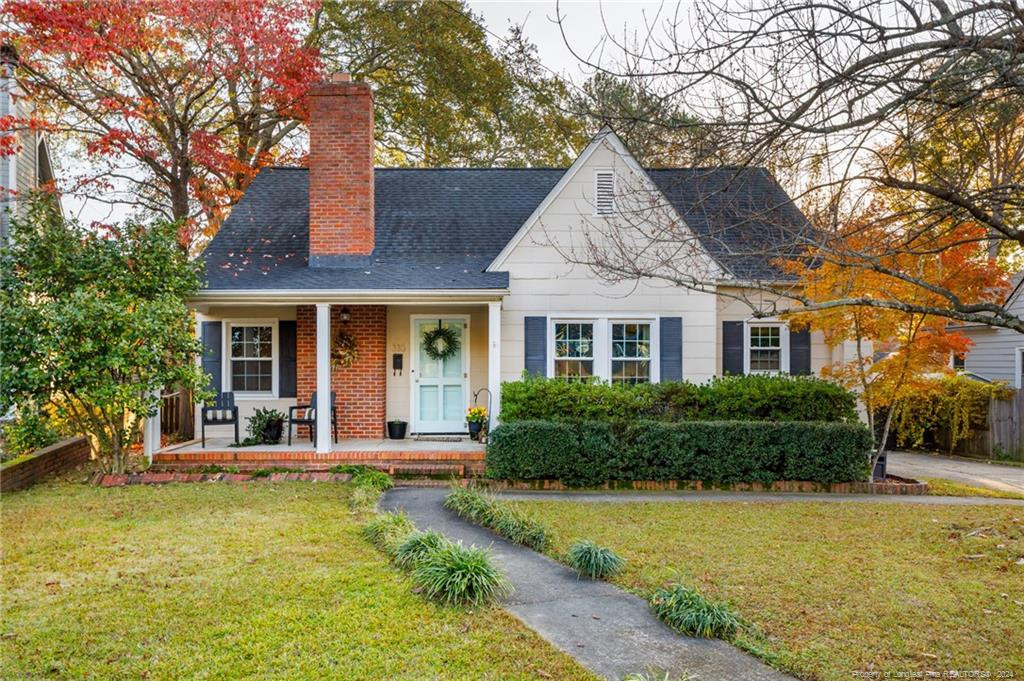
<point>439,385</point>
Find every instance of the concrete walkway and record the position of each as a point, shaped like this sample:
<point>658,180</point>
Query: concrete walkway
<point>978,473</point>
<point>776,497</point>
<point>607,630</point>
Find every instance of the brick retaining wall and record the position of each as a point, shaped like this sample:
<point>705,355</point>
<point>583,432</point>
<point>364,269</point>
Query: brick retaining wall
<point>53,459</point>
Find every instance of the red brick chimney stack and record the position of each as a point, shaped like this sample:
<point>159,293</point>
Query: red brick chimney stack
<point>340,171</point>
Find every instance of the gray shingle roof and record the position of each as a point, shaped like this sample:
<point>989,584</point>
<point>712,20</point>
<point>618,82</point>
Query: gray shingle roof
<point>440,228</point>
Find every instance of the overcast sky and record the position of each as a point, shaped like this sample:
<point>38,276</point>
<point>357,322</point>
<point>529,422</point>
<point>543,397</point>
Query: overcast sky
<point>585,26</point>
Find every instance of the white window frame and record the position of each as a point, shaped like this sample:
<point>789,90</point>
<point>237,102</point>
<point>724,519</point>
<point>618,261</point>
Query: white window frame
<point>615,190</point>
<point>603,340</point>
<point>226,359</point>
<point>783,345</point>
<point>1018,366</point>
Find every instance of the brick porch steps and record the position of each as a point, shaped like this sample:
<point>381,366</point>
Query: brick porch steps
<point>460,464</point>
<point>331,458</point>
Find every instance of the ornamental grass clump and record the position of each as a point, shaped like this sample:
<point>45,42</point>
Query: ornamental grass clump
<point>506,520</point>
<point>460,576</point>
<point>372,478</point>
<point>689,612</point>
<point>416,547</point>
<point>387,530</point>
<point>591,560</point>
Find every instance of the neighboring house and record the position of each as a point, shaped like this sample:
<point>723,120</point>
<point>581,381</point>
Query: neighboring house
<point>30,167</point>
<point>997,354</point>
<point>387,254</point>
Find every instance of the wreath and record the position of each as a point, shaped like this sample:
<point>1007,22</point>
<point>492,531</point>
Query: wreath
<point>344,350</point>
<point>440,343</point>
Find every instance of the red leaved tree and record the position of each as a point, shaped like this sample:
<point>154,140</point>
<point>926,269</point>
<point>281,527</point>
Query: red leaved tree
<point>177,104</point>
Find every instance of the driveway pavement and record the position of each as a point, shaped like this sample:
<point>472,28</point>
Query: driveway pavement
<point>978,473</point>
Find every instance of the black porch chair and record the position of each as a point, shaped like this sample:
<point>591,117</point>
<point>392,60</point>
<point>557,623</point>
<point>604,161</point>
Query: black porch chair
<point>305,420</point>
<point>221,412</point>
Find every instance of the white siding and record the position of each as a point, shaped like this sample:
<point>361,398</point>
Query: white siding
<point>994,353</point>
<point>543,283</point>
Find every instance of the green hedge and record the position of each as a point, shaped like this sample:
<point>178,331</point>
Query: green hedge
<point>734,398</point>
<point>588,453</point>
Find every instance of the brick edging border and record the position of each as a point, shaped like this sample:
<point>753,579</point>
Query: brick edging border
<point>34,467</point>
<point>161,478</point>
<point>901,486</point>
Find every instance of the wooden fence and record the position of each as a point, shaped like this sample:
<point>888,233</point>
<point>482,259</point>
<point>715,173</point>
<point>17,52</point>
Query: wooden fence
<point>170,413</point>
<point>1005,433</point>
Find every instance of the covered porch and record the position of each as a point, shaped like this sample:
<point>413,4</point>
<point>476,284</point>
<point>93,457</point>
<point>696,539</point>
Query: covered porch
<point>275,351</point>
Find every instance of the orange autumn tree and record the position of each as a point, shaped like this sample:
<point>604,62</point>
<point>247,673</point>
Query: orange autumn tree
<point>176,105</point>
<point>897,349</point>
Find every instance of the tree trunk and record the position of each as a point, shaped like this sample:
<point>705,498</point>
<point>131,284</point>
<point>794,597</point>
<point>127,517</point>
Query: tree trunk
<point>881,441</point>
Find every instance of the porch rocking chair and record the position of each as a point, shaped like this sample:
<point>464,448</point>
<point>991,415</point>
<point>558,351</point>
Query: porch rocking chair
<point>221,412</point>
<point>310,421</point>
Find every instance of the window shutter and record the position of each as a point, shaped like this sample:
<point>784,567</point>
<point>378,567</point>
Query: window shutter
<point>671,348</point>
<point>286,363</point>
<point>536,345</point>
<point>800,352</point>
<point>604,192</point>
<point>732,348</point>
<point>212,350</point>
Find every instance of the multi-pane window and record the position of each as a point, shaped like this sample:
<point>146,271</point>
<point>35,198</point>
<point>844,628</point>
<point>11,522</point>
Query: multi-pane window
<point>959,362</point>
<point>631,353</point>
<point>765,349</point>
<point>252,358</point>
<point>574,350</point>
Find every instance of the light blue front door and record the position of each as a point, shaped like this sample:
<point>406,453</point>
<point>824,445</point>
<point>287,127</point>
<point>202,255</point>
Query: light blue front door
<point>439,385</point>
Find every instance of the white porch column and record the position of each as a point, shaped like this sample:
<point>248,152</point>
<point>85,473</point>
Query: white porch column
<point>151,432</point>
<point>323,378</point>
<point>494,358</point>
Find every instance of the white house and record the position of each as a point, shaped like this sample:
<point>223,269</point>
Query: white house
<point>343,251</point>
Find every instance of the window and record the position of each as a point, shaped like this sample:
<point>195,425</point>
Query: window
<point>765,349</point>
<point>959,362</point>
<point>251,354</point>
<point>574,350</point>
<point>631,352</point>
<point>604,192</point>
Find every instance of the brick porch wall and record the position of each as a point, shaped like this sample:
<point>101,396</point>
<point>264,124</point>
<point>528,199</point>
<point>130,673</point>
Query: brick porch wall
<point>362,393</point>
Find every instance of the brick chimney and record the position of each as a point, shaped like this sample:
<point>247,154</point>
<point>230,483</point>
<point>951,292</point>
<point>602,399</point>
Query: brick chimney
<point>341,227</point>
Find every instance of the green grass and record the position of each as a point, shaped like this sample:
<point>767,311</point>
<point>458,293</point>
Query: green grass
<point>830,588</point>
<point>269,580</point>
<point>951,488</point>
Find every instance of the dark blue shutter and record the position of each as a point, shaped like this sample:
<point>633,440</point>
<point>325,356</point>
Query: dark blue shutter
<point>800,352</point>
<point>671,348</point>
<point>288,356</point>
<point>536,345</point>
<point>732,348</point>
<point>212,350</point>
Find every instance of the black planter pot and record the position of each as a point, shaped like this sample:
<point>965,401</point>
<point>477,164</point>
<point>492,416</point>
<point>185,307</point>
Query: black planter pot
<point>396,429</point>
<point>272,432</point>
<point>474,429</point>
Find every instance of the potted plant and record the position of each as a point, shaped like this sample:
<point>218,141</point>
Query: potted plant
<point>396,429</point>
<point>266,426</point>
<point>476,417</point>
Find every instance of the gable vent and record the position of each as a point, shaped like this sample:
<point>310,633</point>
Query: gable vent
<point>604,192</point>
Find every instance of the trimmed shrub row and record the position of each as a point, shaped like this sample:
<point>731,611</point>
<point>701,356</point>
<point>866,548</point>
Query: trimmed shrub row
<point>508,521</point>
<point>733,398</point>
<point>588,453</point>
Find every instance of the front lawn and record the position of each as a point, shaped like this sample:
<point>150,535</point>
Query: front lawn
<point>263,580</point>
<point>836,588</point>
